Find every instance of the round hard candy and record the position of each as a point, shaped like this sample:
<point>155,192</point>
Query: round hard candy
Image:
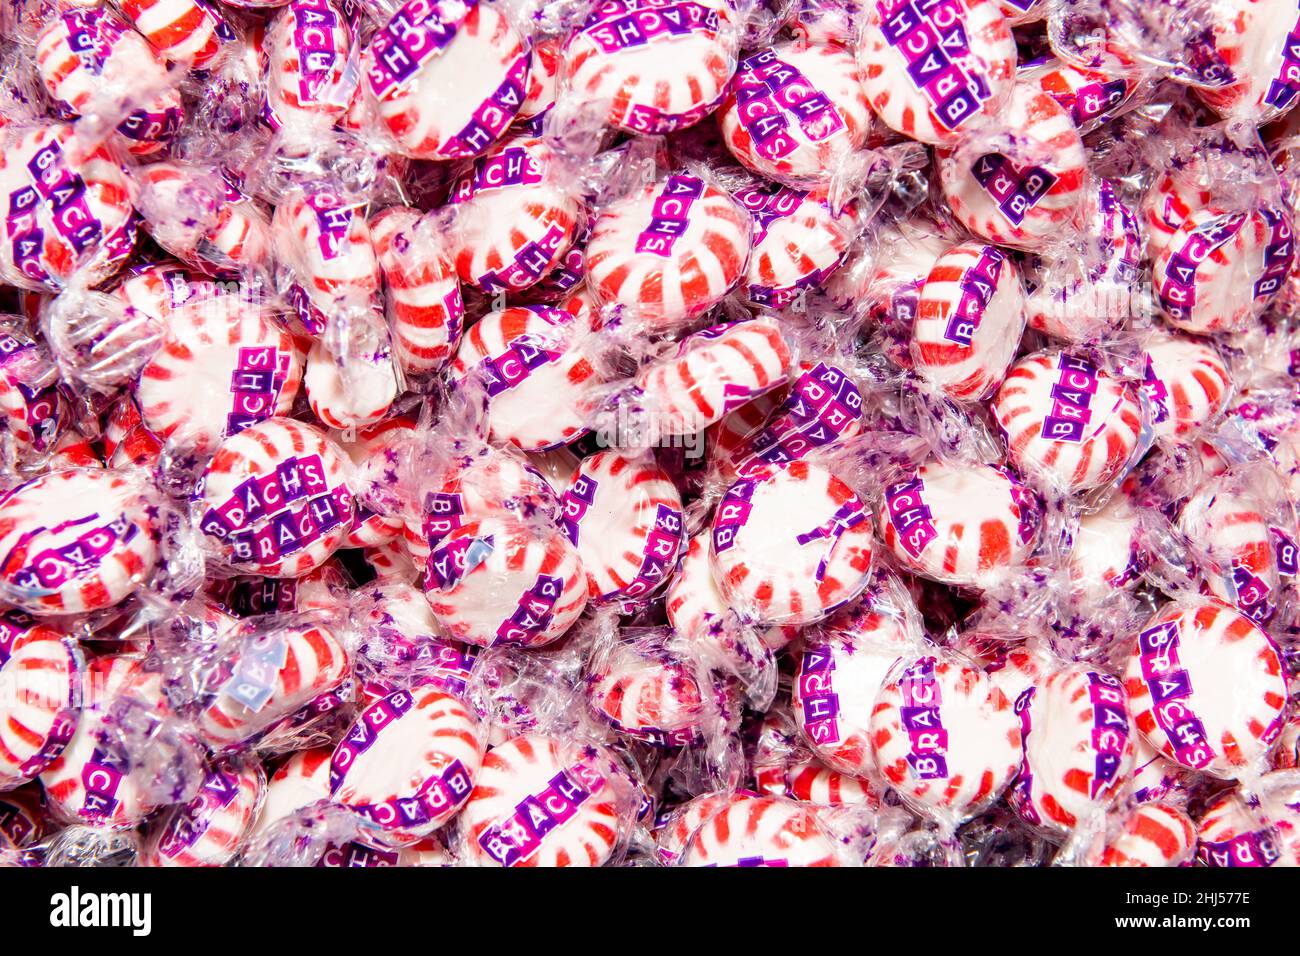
<point>309,79</point>
<point>799,243</point>
<point>761,831</point>
<point>1068,424</point>
<point>276,498</point>
<point>75,540</point>
<point>946,739</point>
<point>668,252</point>
<point>1205,687</point>
<point>796,111</point>
<point>662,66</point>
<point>1187,383</point>
<point>210,829</point>
<point>625,517</point>
<point>407,763</point>
<point>969,319</point>
<point>40,701</point>
<point>791,544</point>
<point>1152,835</point>
<point>964,525</point>
<point>543,802</point>
<point>501,580</point>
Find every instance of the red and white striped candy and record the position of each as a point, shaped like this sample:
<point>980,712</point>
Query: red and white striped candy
<point>1232,529</point>
<point>276,498</point>
<point>1220,269</point>
<point>448,77</point>
<point>180,31</point>
<point>969,320</point>
<point>299,782</point>
<point>219,347</point>
<point>1104,550</point>
<point>1090,96</point>
<point>960,524</point>
<point>273,677</point>
<point>1206,688</point>
<point>540,801</point>
<point>326,239</point>
<point>1022,200</point>
<point>1152,835</point>
<point>478,485</point>
<point>86,784</point>
<point>1167,204</point>
<point>40,703</point>
<point>694,603</point>
<point>84,53</point>
<point>945,737</point>
<point>672,836</point>
<point>353,390</point>
<point>422,295</point>
<point>45,241</point>
<point>836,685</point>
<point>1067,423</point>
<point>814,782</point>
<point>1256,41</point>
<point>392,562</point>
<point>515,218</point>
<point>798,244</point>
<point>790,545</point>
<point>796,111</point>
<point>237,234</point>
<point>931,69</point>
<point>662,65</point>
<point>210,829</point>
<point>371,450</point>
<point>33,409</point>
<point>1077,748</point>
<point>401,639</point>
<point>502,580</point>
<point>407,763</point>
<point>75,540</point>
<point>158,289</point>
<point>713,372</point>
<point>669,252</point>
<point>646,693</point>
<point>1231,834</point>
<point>309,80</point>
<point>761,831</point>
<point>1187,383</point>
<point>536,368</point>
<point>625,517</point>
<point>547,53</point>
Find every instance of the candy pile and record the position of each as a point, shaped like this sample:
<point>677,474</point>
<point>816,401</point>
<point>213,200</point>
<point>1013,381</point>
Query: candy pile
<point>649,432</point>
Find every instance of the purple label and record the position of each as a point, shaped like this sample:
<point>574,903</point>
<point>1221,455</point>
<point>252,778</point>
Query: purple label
<point>494,115</point>
<point>419,31</point>
<point>1171,692</point>
<point>978,283</point>
<point>314,23</point>
<point>820,703</point>
<point>1156,392</point>
<point>658,554</point>
<point>930,35</point>
<point>1278,254</point>
<point>13,625</point>
<point>255,384</point>
<point>1015,190</point>
<point>534,613</point>
<point>1282,90</point>
<point>1110,728</point>
<point>769,203</point>
<point>1076,383</point>
<point>219,789</point>
<point>521,834</point>
<point>1178,292</point>
<point>514,166</point>
<point>769,94</point>
<point>823,406</point>
<point>443,514</point>
<point>529,264</point>
<point>1284,547</point>
<point>16,826</point>
<point>1094,100</point>
<point>26,237</point>
<point>92,34</point>
<point>1021,795</point>
<point>670,215</point>
<point>910,515</point>
<point>64,191</point>
<point>733,512</point>
<point>1248,850</point>
<point>577,498</point>
<point>52,568</point>
<point>921,718</point>
<point>649,121</point>
<point>617,25</point>
<point>333,221</point>
<point>450,562</point>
